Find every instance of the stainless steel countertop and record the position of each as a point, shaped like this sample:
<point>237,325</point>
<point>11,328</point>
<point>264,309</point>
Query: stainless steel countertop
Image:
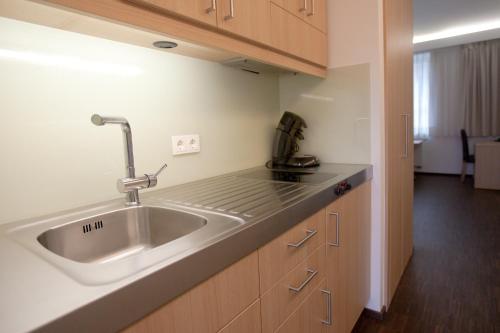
<point>37,296</point>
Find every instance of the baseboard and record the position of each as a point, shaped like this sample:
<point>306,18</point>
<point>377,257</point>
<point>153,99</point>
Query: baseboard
<point>378,315</point>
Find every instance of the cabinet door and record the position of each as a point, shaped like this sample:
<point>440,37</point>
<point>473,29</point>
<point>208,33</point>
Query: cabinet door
<point>348,256</point>
<point>399,105</point>
<point>313,315</point>
<point>294,36</point>
<point>336,258</point>
<point>210,306</point>
<point>199,10</point>
<point>249,19</point>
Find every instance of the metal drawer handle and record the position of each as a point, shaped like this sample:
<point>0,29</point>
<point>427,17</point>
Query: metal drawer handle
<point>309,234</point>
<point>311,13</point>
<point>328,320</point>
<point>231,11</point>
<point>312,274</point>
<point>337,227</point>
<point>213,7</point>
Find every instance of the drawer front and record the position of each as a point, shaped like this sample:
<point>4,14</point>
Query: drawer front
<point>247,322</point>
<point>281,255</point>
<point>313,316</point>
<point>286,296</point>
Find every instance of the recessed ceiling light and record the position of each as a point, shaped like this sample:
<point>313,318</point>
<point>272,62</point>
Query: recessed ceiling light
<point>457,31</point>
<point>163,44</point>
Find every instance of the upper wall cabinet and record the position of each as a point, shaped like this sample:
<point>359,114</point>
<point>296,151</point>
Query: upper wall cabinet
<point>204,11</point>
<point>287,33</point>
<point>249,19</point>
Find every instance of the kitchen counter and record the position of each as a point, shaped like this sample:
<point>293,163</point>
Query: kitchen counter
<point>38,296</point>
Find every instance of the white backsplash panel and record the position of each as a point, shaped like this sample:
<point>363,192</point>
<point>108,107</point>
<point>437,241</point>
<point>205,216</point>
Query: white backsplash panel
<point>336,110</point>
<point>52,81</point>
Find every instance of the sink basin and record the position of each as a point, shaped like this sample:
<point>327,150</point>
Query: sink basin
<point>109,242</point>
<point>119,234</point>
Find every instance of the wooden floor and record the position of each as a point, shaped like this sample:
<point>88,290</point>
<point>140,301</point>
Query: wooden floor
<point>452,283</point>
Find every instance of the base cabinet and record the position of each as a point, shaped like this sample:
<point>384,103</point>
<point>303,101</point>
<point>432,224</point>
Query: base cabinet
<point>347,256</point>
<point>313,278</point>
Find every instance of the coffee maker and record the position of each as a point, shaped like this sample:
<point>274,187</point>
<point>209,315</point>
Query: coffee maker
<point>288,132</point>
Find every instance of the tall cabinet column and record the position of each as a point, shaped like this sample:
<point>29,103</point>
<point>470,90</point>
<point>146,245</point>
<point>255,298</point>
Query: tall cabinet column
<point>398,35</point>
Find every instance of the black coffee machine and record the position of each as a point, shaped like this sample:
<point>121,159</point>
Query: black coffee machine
<point>288,132</point>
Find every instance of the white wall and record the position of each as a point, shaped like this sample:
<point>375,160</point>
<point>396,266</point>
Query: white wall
<point>53,158</point>
<point>444,155</point>
<point>356,37</point>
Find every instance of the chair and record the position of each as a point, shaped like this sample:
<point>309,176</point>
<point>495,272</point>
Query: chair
<point>466,156</point>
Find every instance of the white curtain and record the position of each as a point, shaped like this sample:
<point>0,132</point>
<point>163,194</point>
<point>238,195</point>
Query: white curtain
<point>445,102</point>
<point>421,73</point>
<point>437,90</point>
<point>481,89</point>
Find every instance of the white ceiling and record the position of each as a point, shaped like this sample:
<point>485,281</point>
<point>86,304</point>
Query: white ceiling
<point>432,16</point>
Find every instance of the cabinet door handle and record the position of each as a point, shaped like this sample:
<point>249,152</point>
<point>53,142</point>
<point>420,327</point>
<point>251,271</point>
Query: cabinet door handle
<point>303,8</point>
<point>231,11</point>
<point>311,13</point>
<point>328,321</point>
<point>309,234</point>
<point>337,228</point>
<point>311,274</point>
<point>213,7</point>
<point>405,154</point>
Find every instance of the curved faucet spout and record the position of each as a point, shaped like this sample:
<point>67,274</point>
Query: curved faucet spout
<point>132,196</point>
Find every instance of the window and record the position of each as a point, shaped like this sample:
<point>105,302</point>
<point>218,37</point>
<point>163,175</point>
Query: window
<point>421,90</point>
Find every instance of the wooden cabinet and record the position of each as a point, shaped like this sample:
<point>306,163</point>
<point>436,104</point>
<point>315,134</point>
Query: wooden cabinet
<point>204,11</point>
<point>314,278</point>
<point>398,32</point>
<point>313,315</point>
<point>313,12</point>
<point>249,19</point>
<point>209,306</point>
<point>347,259</point>
<point>258,29</point>
<point>292,35</point>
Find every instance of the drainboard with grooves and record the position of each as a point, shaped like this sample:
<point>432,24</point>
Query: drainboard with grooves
<point>247,198</point>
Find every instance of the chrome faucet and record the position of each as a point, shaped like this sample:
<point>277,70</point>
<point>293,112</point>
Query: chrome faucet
<point>130,184</point>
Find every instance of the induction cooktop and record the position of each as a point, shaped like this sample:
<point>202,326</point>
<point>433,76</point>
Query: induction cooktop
<point>292,176</point>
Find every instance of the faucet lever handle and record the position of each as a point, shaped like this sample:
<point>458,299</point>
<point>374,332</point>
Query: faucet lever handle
<point>161,170</point>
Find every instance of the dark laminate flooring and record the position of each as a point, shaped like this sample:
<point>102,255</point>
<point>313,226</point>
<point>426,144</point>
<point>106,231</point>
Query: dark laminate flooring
<point>452,283</point>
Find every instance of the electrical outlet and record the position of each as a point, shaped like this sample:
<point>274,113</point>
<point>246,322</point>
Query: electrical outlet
<point>185,144</point>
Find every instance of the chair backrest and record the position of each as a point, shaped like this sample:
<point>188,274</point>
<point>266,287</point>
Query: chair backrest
<point>465,145</point>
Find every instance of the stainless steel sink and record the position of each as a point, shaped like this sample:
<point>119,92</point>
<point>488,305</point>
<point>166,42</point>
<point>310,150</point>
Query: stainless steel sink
<point>106,243</point>
<point>119,234</point>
